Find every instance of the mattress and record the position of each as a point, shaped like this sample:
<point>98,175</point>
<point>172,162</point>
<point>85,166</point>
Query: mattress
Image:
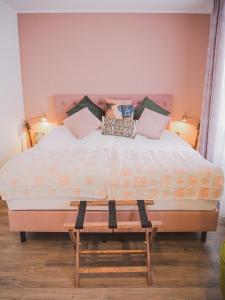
<point>62,167</point>
<point>64,204</point>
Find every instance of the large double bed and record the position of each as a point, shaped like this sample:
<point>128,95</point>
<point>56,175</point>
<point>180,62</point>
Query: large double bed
<point>40,183</point>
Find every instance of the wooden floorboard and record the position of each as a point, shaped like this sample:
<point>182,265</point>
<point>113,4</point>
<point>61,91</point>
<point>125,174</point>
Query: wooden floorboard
<point>43,267</point>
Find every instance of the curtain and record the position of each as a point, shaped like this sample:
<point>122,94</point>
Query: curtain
<point>212,131</point>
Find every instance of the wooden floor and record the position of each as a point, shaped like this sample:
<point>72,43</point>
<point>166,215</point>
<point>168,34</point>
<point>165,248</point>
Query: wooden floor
<point>42,268</point>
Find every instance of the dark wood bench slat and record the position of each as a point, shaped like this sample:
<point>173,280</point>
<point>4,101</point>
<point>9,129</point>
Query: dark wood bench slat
<point>112,214</point>
<point>145,223</point>
<point>81,215</point>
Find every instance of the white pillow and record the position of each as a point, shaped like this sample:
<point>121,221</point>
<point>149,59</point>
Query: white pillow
<point>151,124</point>
<point>82,123</point>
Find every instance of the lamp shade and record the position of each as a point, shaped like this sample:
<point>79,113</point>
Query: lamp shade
<point>187,131</point>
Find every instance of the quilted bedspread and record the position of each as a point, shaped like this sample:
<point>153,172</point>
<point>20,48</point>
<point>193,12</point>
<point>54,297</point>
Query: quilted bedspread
<point>110,170</point>
<point>163,175</point>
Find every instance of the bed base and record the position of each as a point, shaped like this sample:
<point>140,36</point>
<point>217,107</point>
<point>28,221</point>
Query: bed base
<point>53,221</point>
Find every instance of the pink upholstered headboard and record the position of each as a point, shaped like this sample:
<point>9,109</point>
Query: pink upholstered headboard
<point>62,103</point>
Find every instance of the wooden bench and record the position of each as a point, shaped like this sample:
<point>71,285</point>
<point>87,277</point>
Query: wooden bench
<point>148,227</point>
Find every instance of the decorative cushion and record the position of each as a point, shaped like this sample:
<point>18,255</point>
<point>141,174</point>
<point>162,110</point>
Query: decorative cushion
<point>86,102</point>
<point>119,127</point>
<point>151,124</point>
<point>114,111</point>
<point>118,101</point>
<point>148,103</point>
<point>82,123</point>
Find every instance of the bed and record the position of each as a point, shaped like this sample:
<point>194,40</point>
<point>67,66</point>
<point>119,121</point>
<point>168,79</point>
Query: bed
<point>40,183</point>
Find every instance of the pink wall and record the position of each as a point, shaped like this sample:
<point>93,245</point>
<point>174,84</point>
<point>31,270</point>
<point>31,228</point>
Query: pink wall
<point>115,54</point>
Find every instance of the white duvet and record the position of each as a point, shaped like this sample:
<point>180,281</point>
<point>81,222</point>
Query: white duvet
<point>98,166</point>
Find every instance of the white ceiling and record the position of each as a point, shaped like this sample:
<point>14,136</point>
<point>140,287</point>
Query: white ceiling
<point>141,6</point>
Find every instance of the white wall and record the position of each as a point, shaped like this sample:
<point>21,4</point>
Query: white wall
<point>11,100</point>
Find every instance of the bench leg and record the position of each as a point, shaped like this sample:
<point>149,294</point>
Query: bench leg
<point>148,249</point>
<point>77,267</point>
<point>73,239</point>
<point>203,236</point>
<point>23,237</point>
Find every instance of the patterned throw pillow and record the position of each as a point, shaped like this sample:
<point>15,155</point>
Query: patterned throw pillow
<point>119,127</point>
<point>114,111</point>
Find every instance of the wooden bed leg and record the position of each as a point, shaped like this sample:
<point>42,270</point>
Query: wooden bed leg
<point>203,236</point>
<point>104,238</point>
<point>23,237</point>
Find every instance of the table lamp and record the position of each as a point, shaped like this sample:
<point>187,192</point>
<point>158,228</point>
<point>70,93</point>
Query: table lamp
<point>42,118</point>
<point>184,119</point>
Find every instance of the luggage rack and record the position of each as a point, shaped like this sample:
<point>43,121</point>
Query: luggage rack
<point>147,226</point>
